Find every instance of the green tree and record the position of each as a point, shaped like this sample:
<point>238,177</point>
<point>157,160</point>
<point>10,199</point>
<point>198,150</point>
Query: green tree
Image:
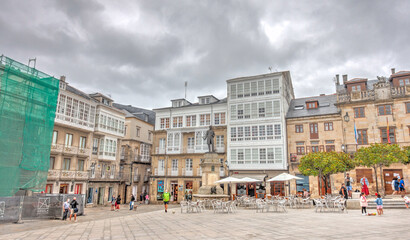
<point>324,164</point>
<point>379,155</point>
<point>407,150</point>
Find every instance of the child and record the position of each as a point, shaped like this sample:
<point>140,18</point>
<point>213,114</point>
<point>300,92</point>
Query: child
<point>363,203</point>
<point>406,200</point>
<point>379,203</point>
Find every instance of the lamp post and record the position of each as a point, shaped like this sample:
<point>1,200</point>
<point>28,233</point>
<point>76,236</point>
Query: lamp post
<point>346,119</point>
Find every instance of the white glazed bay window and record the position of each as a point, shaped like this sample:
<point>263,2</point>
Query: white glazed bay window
<point>108,147</point>
<point>256,132</point>
<point>257,155</point>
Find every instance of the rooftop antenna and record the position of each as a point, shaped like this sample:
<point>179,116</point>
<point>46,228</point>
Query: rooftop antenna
<point>270,69</point>
<point>186,86</point>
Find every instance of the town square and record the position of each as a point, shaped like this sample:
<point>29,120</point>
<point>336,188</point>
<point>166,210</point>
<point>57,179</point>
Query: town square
<point>204,119</point>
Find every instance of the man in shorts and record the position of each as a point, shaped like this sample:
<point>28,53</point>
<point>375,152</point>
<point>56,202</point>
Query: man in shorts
<point>66,208</point>
<point>401,185</point>
<point>349,182</point>
<point>74,209</point>
<point>165,197</point>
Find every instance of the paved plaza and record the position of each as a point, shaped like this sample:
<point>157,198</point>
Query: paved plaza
<point>152,223</point>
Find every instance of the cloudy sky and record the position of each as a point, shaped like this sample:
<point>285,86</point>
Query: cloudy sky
<point>142,52</point>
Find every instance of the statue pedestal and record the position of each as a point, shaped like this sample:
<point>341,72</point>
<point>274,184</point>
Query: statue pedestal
<point>210,174</point>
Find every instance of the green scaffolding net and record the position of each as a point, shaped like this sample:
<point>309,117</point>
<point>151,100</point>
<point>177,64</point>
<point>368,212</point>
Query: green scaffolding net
<point>28,100</point>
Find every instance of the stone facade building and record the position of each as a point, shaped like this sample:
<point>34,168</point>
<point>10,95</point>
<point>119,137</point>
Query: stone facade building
<point>375,107</point>
<point>71,143</point>
<point>313,124</point>
<point>136,148</point>
<point>362,112</point>
<point>257,146</point>
<point>179,145</point>
<point>105,172</point>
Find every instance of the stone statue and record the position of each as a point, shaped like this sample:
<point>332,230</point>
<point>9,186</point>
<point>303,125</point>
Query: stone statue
<point>213,190</point>
<point>209,136</point>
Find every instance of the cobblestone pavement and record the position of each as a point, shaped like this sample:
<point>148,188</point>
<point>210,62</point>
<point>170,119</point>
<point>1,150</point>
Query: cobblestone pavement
<point>245,224</point>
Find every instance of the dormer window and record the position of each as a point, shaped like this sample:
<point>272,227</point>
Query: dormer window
<point>299,107</point>
<point>356,88</point>
<point>105,102</point>
<point>62,85</point>
<point>312,105</point>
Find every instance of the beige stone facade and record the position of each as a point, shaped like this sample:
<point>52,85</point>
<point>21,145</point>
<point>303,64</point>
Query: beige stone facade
<point>182,180</point>
<point>71,142</point>
<point>371,107</point>
<point>136,151</point>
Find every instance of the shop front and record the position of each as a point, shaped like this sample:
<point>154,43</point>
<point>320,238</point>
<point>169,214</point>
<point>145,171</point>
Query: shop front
<point>188,190</point>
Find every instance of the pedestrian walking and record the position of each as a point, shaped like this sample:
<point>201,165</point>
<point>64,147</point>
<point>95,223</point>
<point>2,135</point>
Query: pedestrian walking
<point>365,184</point>
<point>66,208</point>
<point>165,197</point>
<point>394,185</point>
<point>146,199</point>
<point>142,197</point>
<point>363,203</point>
<point>132,202</point>
<point>74,209</point>
<point>113,201</point>
<point>349,183</point>
<point>401,185</point>
<point>343,191</point>
<point>379,203</point>
<point>118,202</point>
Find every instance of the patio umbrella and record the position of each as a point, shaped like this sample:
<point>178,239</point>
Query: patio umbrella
<point>248,180</point>
<point>284,177</point>
<point>228,180</point>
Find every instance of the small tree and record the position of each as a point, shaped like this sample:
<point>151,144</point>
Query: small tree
<point>324,164</point>
<point>379,155</point>
<point>407,150</point>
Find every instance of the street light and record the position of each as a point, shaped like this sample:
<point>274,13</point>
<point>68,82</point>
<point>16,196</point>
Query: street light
<point>346,117</point>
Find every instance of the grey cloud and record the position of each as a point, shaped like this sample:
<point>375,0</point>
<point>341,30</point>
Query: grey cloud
<point>205,43</point>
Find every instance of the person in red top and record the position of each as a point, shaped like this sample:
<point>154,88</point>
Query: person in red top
<point>365,183</point>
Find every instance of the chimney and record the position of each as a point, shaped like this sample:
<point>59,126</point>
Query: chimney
<point>393,71</point>
<point>62,78</point>
<point>337,79</point>
<point>344,78</point>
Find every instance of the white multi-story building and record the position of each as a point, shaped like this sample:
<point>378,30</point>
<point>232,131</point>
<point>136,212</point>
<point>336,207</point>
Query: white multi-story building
<point>257,143</point>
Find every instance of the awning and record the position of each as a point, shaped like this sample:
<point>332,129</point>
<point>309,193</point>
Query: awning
<point>260,177</point>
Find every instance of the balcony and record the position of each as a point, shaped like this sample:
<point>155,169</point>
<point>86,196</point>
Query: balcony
<point>84,151</point>
<point>158,172</point>
<point>107,176</point>
<point>56,148</point>
<point>187,172</point>
<point>137,177</point>
<point>70,150</point>
<point>400,91</point>
<point>67,175</point>
<point>74,122</point>
<point>172,172</point>
<point>107,156</point>
<point>159,150</point>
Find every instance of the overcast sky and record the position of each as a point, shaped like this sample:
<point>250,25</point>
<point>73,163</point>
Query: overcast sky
<point>142,52</point>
